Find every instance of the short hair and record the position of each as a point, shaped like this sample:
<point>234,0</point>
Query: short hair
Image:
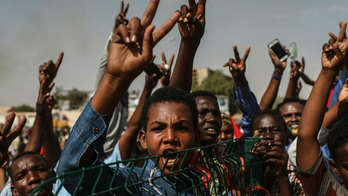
<point>27,153</point>
<point>275,113</point>
<point>292,100</point>
<point>170,94</point>
<point>196,94</point>
<point>338,137</point>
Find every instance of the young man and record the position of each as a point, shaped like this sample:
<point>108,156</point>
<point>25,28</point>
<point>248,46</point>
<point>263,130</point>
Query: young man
<point>27,171</point>
<point>170,124</point>
<point>278,171</point>
<point>209,116</point>
<point>226,128</point>
<point>315,172</point>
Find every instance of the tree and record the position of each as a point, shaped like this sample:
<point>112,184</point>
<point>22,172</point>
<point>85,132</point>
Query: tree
<point>76,98</point>
<point>25,108</point>
<point>218,84</point>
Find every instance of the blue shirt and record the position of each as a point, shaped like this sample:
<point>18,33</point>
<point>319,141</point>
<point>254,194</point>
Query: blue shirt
<point>247,103</point>
<point>90,129</point>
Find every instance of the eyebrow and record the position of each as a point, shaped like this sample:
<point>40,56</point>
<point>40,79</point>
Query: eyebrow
<point>175,123</point>
<point>35,166</point>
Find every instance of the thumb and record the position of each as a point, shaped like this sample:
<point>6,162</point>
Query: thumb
<point>148,44</point>
<point>256,133</point>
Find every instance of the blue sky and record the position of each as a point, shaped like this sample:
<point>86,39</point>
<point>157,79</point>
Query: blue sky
<point>36,31</point>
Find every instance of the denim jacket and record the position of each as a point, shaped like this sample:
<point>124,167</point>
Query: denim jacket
<point>90,129</point>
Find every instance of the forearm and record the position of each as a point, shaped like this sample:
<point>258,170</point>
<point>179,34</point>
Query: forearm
<point>271,93</point>
<point>109,93</point>
<point>50,144</point>
<point>285,187</point>
<point>247,103</point>
<point>36,137</point>
<point>129,138</point>
<point>307,80</point>
<point>182,74</point>
<point>334,114</point>
<point>311,121</point>
<point>291,91</point>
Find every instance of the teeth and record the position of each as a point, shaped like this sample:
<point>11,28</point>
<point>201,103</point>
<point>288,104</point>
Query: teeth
<point>211,129</point>
<point>294,126</point>
<point>171,160</point>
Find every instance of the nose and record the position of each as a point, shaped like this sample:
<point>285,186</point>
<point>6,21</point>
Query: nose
<point>294,118</point>
<point>210,117</point>
<point>268,135</point>
<point>223,136</point>
<point>170,136</point>
<point>33,178</point>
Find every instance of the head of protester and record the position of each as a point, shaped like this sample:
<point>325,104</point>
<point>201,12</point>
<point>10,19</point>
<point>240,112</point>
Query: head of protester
<point>209,116</point>
<point>169,120</point>
<point>226,128</point>
<point>291,110</point>
<point>27,172</point>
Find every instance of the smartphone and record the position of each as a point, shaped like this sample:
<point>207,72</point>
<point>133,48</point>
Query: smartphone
<point>278,50</point>
<point>152,68</point>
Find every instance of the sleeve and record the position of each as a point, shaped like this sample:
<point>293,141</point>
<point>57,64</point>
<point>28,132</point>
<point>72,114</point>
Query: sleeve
<point>103,64</point>
<point>247,103</point>
<point>322,135</point>
<point>338,87</point>
<point>89,129</point>
<point>312,179</point>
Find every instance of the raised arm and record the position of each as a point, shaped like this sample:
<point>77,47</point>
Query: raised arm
<point>339,109</point>
<point>245,99</point>
<point>42,134</point>
<point>125,62</point>
<point>191,27</point>
<point>271,93</point>
<point>294,76</point>
<point>128,139</point>
<point>313,113</point>
<point>167,69</point>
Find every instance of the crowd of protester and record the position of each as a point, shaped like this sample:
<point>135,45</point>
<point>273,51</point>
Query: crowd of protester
<point>302,143</point>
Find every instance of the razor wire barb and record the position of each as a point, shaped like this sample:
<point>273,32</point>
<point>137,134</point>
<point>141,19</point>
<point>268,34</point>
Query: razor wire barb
<point>218,169</point>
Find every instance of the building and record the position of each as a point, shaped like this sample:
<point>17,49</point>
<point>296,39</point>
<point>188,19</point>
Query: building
<point>199,74</point>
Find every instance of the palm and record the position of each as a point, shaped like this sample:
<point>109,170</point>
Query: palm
<point>125,58</point>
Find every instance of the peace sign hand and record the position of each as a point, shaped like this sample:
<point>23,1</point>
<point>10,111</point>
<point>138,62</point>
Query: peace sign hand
<point>237,66</point>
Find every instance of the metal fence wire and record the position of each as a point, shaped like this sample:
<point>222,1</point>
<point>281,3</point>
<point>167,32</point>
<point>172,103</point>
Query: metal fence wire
<point>226,168</point>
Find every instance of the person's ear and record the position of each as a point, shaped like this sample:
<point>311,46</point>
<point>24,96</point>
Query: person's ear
<point>334,168</point>
<point>14,190</point>
<point>53,174</point>
<point>197,138</point>
<point>142,138</point>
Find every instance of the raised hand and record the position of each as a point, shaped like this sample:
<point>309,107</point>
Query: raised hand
<point>45,101</point>
<point>166,68</point>
<point>6,137</point>
<point>277,154</point>
<point>151,81</point>
<point>192,21</point>
<point>121,17</point>
<point>333,56</point>
<point>279,66</point>
<point>295,70</point>
<point>48,70</point>
<point>237,65</point>
<point>131,47</point>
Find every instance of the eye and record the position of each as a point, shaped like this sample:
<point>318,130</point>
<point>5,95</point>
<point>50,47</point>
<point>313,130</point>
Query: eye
<point>287,115</point>
<point>184,128</point>
<point>157,129</point>
<point>276,130</point>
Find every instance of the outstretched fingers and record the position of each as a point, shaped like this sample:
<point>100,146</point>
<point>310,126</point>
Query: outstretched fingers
<point>342,32</point>
<point>60,59</point>
<point>7,127</point>
<point>15,132</point>
<point>148,44</point>
<point>236,53</point>
<point>149,13</point>
<point>246,54</point>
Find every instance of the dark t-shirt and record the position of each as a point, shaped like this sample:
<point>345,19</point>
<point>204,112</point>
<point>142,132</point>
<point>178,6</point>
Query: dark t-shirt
<point>321,180</point>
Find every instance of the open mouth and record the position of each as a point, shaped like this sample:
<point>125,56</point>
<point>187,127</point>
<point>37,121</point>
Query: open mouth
<point>169,160</point>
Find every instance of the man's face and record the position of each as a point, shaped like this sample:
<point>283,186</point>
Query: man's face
<point>226,132</point>
<point>342,163</point>
<point>291,113</point>
<point>170,128</point>
<point>209,119</point>
<point>270,127</point>
<point>28,171</point>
